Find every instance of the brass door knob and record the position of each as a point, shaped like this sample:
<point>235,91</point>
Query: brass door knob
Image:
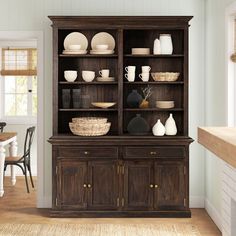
<point>151,185</point>
<point>85,185</point>
<point>86,153</point>
<point>89,185</point>
<point>153,153</point>
<point>156,186</point>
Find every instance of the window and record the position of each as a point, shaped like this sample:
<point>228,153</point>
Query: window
<point>19,83</point>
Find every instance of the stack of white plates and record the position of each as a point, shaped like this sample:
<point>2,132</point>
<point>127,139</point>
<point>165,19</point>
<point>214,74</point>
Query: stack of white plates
<point>109,79</point>
<point>74,51</point>
<point>101,51</point>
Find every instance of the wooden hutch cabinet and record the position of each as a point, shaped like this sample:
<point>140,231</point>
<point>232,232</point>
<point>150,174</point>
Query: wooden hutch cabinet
<point>121,175</point>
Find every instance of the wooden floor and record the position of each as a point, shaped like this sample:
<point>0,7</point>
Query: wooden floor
<point>19,207</point>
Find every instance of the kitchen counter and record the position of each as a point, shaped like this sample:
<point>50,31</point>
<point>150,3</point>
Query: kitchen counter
<point>221,141</point>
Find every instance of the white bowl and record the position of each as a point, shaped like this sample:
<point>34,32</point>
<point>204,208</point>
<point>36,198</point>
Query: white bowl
<point>140,51</point>
<point>101,47</point>
<point>88,76</point>
<point>70,75</point>
<point>165,104</point>
<point>74,47</point>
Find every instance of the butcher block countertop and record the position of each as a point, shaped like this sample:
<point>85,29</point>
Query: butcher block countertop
<point>221,141</point>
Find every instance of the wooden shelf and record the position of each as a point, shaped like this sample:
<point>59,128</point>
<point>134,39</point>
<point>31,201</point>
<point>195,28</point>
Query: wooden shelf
<point>153,109</point>
<point>155,56</point>
<point>89,109</point>
<point>89,55</point>
<point>88,83</point>
<point>153,82</point>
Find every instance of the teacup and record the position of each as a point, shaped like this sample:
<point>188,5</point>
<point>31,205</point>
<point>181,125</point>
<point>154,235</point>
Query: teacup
<point>130,69</point>
<point>144,77</point>
<point>146,69</point>
<point>88,75</point>
<point>104,73</point>
<point>130,77</point>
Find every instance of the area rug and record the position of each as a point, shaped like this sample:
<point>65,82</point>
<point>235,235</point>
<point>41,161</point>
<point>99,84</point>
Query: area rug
<point>98,230</point>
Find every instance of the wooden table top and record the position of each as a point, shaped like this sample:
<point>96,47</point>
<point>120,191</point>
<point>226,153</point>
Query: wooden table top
<point>221,141</point>
<point>5,136</point>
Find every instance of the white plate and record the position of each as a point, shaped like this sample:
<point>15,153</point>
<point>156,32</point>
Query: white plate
<point>101,52</point>
<point>103,38</point>
<point>75,52</point>
<point>76,38</point>
<point>109,79</point>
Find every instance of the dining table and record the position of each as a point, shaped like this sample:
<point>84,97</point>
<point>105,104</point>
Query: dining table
<point>7,138</point>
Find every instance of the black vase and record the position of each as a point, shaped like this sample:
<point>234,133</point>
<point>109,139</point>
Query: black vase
<point>134,99</point>
<point>66,98</point>
<point>138,126</point>
<point>76,98</point>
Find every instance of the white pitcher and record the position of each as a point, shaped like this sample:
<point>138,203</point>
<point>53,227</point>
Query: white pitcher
<point>157,47</point>
<point>166,44</point>
<point>158,129</point>
<point>170,126</point>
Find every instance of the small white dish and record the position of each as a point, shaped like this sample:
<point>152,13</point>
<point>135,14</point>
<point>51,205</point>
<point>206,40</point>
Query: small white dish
<point>74,47</point>
<point>103,104</point>
<point>109,79</point>
<point>74,52</point>
<point>76,38</point>
<point>101,47</point>
<point>101,51</point>
<point>70,75</point>
<point>103,38</point>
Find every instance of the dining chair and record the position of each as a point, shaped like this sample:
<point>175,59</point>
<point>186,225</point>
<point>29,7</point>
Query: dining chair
<point>23,161</point>
<point>2,125</point>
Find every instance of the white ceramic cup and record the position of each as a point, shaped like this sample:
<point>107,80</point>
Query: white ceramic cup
<point>70,75</point>
<point>130,69</point>
<point>88,75</point>
<point>104,73</point>
<point>146,69</point>
<point>130,77</point>
<point>144,77</point>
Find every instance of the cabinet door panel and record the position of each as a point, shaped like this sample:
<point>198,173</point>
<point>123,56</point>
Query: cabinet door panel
<point>170,193</point>
<point>72,175</point>
<point>138,176</point>
<point>103,179</point>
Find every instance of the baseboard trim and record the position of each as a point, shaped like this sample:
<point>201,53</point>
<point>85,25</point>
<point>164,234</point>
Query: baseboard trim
<point>214,214</point>
<point>44,202</point>
<point>196,202</point>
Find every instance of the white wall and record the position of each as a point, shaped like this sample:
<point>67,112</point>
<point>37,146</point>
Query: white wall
<point>32,15</point>
<point>216,90</point>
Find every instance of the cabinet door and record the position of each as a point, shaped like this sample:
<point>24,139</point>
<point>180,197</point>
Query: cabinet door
<point>102,185</point>
<point>138,178</point>
<point>169,188</point>
<point>72,176</point>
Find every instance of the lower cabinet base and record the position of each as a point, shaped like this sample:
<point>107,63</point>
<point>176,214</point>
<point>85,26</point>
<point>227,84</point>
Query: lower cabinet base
<point>117,214</point>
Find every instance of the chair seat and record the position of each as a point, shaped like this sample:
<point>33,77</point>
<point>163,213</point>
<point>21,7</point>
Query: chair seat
<point>13,159</point>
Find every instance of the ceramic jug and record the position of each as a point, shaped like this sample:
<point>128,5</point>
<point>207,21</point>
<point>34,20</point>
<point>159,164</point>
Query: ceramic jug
<point>138,126</point>
<point>166,44</point>
<point>170,126</point>
<point>134,99</point>
<point>157,47</point>
<point>158,129</point>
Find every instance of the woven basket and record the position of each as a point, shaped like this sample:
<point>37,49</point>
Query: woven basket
<point>165,76</point>
<point>89,120</point>
<point>89,129</point>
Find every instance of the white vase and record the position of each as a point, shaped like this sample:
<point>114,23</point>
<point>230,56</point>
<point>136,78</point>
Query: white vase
<point>170,126</point>
<point>158,129</point>
<point>166,44</point>
<point>157,47</point>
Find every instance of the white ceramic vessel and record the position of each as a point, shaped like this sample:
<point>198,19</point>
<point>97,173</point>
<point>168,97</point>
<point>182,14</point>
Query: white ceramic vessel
<point>146,69</point>
<point>74,47</point>
<point>144,76</point>
<point>104,73</point>
<point>170,126</point>
<point>158,129</point>
<point>70,75</point>
<point>166,44</point>
<point>88,76</point>
<point>157,47</point>
<point>101,47</point>
<point>103,38</point>
<point>130,77</point>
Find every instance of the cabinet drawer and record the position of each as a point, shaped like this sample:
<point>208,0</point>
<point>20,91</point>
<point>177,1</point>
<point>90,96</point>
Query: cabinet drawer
<point>88,152</point>
<point>154,152</point>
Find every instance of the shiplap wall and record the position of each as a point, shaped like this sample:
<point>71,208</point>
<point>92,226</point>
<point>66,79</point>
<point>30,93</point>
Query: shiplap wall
<point>32,15</point>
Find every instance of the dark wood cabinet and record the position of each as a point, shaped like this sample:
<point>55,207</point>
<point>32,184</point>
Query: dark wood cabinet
<point>138,180</point>
<point>121,175</point>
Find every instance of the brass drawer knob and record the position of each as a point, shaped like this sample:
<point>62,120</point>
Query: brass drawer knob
<point>156,186</point>
<point>153,153</point>
<point>151,185</point>
<point>85,185</point>
<point>86,153</point>
<point>89,185</point>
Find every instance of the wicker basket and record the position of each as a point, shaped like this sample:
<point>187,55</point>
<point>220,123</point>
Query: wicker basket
<point>89,129</point>
<point>89,120</point>
<point>165,76</point>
